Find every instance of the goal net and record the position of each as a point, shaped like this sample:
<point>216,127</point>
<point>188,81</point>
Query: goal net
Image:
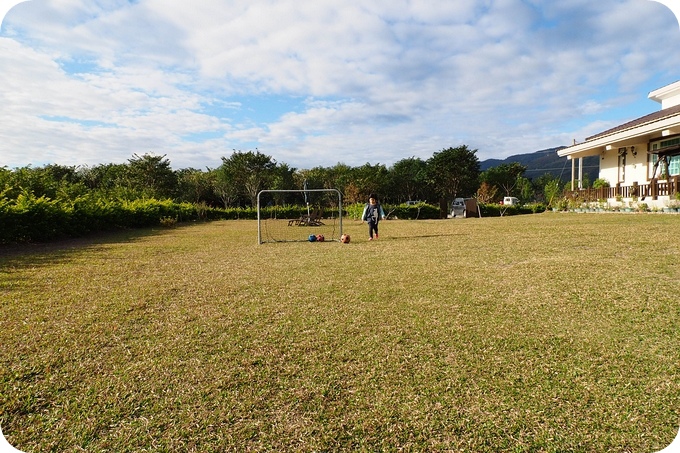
<point>294,215</point>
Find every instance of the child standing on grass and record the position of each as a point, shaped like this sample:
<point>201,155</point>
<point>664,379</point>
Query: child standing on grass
<point>373,212</point>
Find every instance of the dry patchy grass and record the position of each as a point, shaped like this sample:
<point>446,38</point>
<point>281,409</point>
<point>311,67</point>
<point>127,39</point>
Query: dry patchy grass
<point>552,332</point>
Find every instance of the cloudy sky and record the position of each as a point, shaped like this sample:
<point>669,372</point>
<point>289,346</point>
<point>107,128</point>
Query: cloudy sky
<point>318,82</point>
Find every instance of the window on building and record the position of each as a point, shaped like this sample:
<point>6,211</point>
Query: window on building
<point>674,166</point>
<point>673,162</point>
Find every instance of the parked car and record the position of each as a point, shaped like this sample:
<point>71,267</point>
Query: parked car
<point>510,201</point>
<point>464,207</point>
<point>413,202</point>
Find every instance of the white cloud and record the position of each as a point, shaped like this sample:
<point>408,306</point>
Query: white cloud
<point>88,82</point>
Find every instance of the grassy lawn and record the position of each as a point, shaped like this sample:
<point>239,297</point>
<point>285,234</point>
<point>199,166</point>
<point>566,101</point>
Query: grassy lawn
<point>550,332</point>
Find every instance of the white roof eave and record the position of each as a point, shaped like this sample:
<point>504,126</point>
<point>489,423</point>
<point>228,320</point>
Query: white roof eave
<point>639,131</point>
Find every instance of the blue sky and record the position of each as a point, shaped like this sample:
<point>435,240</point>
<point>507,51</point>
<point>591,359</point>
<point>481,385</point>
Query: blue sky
<point>84,82</point>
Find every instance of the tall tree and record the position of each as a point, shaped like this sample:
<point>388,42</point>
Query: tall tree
<point>195,186</point>
<point>152,175</point>
<point>110,179</point>
<point>339,176</point>
<point>454,172</point>
<point>372,179</point>
<point>408,179</point>
<point>251,171</point>
<point>225,185</point>
<point>283,178</point>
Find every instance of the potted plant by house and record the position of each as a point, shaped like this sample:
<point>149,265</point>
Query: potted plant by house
<point>675,203</point>
<point>562,204</point>
<point>619,202</point>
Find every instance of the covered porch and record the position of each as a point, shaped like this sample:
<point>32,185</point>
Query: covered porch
<point>655,190</point>
<point>639,160</point>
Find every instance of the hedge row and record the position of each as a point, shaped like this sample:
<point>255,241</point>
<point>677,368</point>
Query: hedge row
<point>496,210</point>
<point>404,212</point>
<point>28,218</point>
<point>39,219</point>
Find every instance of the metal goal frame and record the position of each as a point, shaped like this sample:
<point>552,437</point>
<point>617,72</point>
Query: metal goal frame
<point>268,191</point>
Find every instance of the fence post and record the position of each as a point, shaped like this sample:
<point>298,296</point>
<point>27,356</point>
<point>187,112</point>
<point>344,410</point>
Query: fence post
<point>654,188</point>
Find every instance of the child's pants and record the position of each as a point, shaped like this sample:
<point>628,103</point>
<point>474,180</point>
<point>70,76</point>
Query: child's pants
<point>372,227</point>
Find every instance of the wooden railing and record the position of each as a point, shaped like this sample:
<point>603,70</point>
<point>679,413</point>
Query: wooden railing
<point>653,190</point>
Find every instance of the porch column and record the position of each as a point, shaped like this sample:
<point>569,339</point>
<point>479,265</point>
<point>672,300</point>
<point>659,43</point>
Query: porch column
<point>573,173</point>
<point>580,173</point>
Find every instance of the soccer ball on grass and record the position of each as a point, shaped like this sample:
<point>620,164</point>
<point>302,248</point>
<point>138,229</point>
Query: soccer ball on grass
<point>344,238</point>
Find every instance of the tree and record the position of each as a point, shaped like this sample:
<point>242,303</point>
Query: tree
<point>315,178</point>
<point>408,179</point>
<point>52,181</point>
<point>339,177</point>
<point>371,179</point>
<point>541,185</point>
<point>553,191</point>
<point>225,185</point>
<point>525,189</point>
<point>152,175</point>
<point>352,194</point>
<point>195,186</point>
<point>250,172</point>
<point>110,180</point>
<point>486,193</point>
<point>283,178</point>
<point>505,177</point>
<point>454,172</point>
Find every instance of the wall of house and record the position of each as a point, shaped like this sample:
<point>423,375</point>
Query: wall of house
<point>636,166</point>
<point>609,167</point>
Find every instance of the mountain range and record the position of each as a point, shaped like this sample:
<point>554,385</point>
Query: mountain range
<point>545,161</point>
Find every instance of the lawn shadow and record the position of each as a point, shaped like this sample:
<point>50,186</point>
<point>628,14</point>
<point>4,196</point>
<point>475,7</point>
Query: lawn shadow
<point>47,253</point>
<point>419,236</point>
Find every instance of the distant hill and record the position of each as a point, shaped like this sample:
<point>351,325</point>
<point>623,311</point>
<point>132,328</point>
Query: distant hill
<point>546,161</point>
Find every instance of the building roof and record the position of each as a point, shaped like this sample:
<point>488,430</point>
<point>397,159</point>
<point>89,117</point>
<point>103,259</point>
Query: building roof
<point>668,96</point>
<point>654,125</point>
<point>652,117</point>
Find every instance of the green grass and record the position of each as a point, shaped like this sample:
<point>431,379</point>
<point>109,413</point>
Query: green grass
<point>550,332</point>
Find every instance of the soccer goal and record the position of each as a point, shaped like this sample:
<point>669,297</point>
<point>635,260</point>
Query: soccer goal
<point>295,215</point>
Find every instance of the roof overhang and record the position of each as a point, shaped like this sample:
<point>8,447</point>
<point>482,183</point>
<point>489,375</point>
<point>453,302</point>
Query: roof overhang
<point>668,96</point>
<point>627,137</point>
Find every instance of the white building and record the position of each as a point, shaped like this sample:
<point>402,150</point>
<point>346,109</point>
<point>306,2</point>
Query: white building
<point>641,158</point>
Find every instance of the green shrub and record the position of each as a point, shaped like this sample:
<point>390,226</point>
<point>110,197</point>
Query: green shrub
<point>600,183</point>
<point>38,219</point>
<point>30,218</point>
<point>418,211</point>
<point>495,210</point>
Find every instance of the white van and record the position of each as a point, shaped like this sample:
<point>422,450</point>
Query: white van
<point>510,201</point>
